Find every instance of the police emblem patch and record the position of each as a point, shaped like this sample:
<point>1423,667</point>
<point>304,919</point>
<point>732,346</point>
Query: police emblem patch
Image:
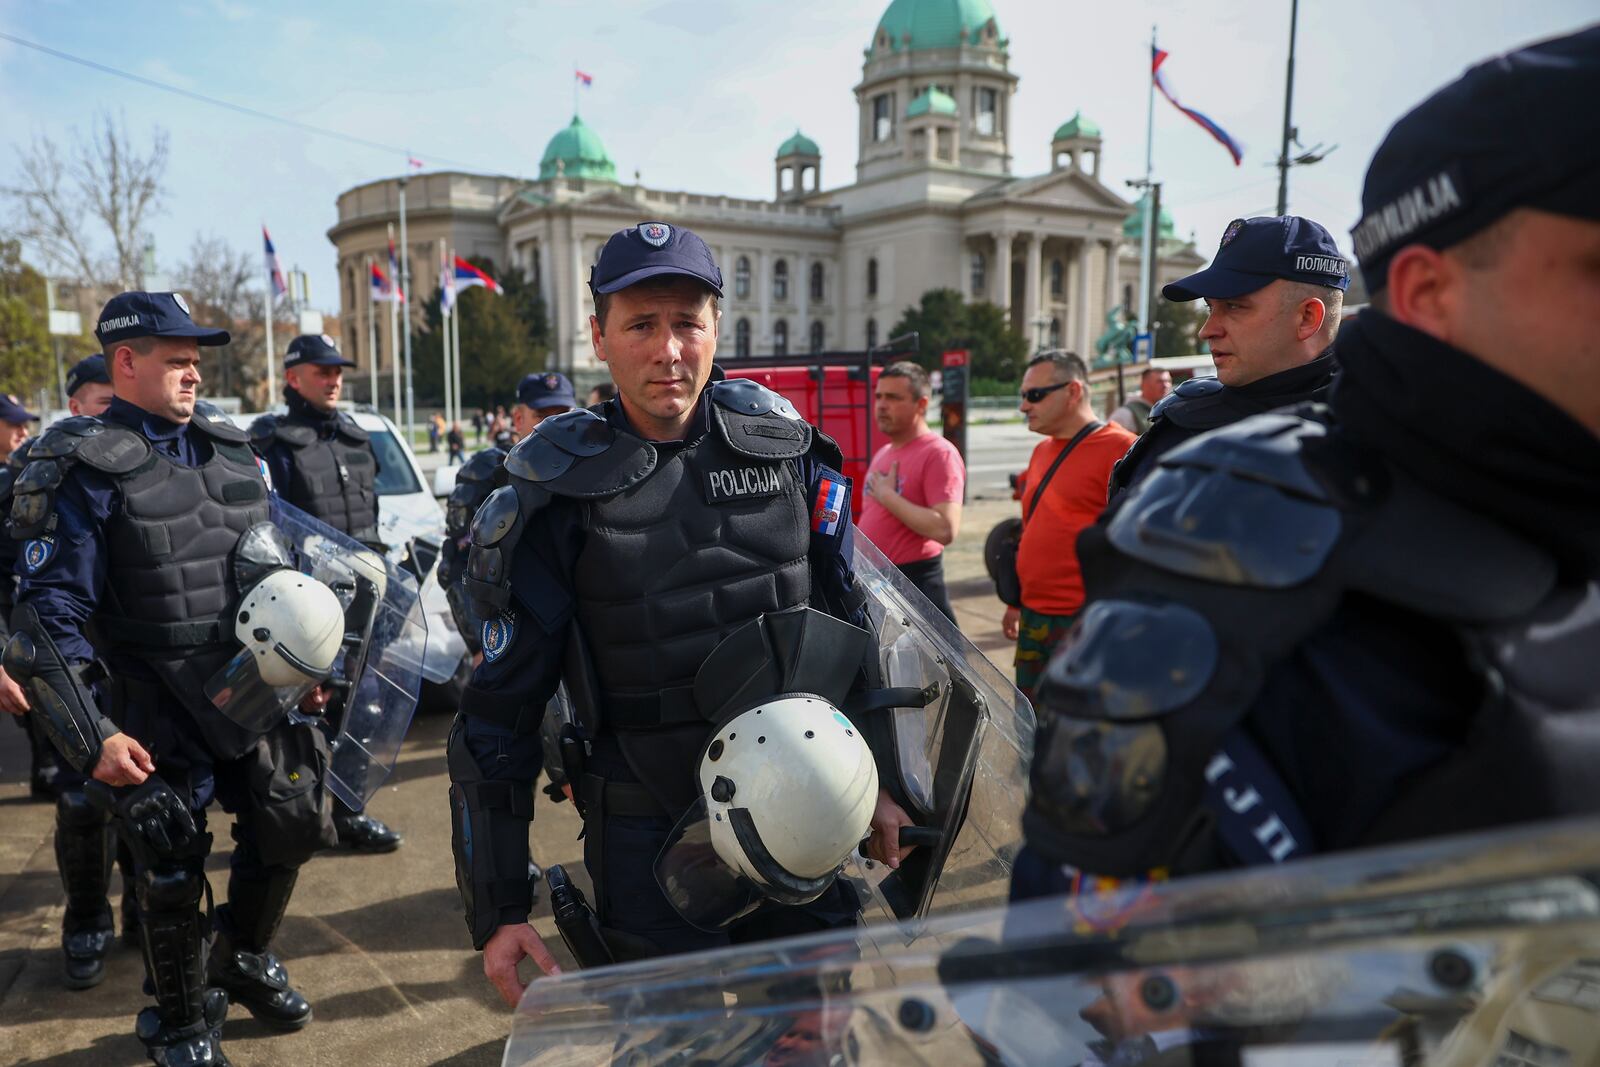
<point>36,553</point>
<point>328,341</point>
<point>551,381</point>
<point>1232,231</point>
<point>183,305</point>
<point>655,233</point>
<point>498,633</point>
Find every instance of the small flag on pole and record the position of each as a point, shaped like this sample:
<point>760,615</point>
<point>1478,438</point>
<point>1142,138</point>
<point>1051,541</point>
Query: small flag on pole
<point>394,272</point>
<point>1235,149</point>
<point>447,289</point>
<point>583,79</point>
<point>274,268</point>
<point>466,276</point>
<point>413,162</point>
<point>382,291</point>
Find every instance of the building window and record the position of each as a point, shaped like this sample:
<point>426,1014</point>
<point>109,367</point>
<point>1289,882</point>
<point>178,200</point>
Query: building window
<point>1055,277</point>
<point>986,111</point>
<point>741,279</point>
<point>350,287</point>
<point>816,336</point>
<point>1055,333</point>
<point>741,339</point>
<point>780,338</point>
<point>1127,299</point>
<point>816,282</point>
<point>883,116</point>
<point>872,333</point>
<point>780,281</point>
<point>980,274</point>
<point>872,277</point>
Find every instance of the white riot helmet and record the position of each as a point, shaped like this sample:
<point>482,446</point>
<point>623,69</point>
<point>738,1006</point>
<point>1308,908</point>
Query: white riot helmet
<point>788,790</point>
<point>292,625</point>
<point>337,565</point>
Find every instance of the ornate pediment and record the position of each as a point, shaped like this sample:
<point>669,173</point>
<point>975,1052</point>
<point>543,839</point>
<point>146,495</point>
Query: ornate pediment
<point>1062,190</point>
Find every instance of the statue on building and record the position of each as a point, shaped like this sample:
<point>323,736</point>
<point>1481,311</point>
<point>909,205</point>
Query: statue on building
<point>1115,346</point>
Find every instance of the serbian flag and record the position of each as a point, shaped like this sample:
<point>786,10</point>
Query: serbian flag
<point>467,276</point>
<point>1159,56</point>
<point>394,273</point>
<point>833,496</point>
<point>382,291</point>
<point>274,268</point>
<point>582,78</point>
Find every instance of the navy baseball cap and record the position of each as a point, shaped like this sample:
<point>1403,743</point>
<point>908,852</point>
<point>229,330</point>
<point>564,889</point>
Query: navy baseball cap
<point>547,390</point>
<point>86,370</point>
<point>648,250</point>
<point>11,410</point>
<point>1256,252</point>
<point>1519,130</point>
<point>135,314</point>
<point>317,349</point>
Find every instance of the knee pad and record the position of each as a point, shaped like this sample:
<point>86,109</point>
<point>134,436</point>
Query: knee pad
<point>170,889</point>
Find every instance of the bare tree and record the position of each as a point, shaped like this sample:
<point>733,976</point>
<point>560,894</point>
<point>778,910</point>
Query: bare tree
<point>72,203</point>
<point>222,284</point>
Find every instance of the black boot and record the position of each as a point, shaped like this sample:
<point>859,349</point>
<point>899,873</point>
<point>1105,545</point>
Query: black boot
<point>360,832</point>
<point>240,963</point>
<point>83,857</point>
<point>184,1028</point>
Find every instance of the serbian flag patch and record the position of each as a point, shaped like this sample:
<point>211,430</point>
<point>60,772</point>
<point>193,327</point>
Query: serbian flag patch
<point>833,495</point>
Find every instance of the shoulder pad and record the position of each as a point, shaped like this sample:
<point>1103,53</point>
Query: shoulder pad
<point>33,495</point>
<point>1129,660</point>
<point>579,454</point>
<point>496,517</point>
<point>348,428</point>
<point>1237,506</point>
<point>21,454</point>
<point>294,434</point>
<point>8,478</point>
<point>757,422</point>
<point>263,429</point>
<point>65,437</point>
<point>826,449</point>
<point>103,446</point>
<point>39,476</point>
<point>1198,387</point>
<point>496,529</point>
<point>484,466</point>
<point>1197,404</point>
<point>210,420</point>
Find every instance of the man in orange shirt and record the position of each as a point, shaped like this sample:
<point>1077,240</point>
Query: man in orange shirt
<point>1073,467</point>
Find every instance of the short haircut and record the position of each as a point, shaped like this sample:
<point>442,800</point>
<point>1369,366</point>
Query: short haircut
<point>913,373</point>
<point>1332,298</point>
<point>1069,366</point>
<point>602,301</point>
<point>142,345</point>
<point>1152,370</point>
<point>605,390</point>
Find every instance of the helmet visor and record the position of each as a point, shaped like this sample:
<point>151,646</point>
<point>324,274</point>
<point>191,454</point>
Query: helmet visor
<point>239,692</point>
<point>700,885</point>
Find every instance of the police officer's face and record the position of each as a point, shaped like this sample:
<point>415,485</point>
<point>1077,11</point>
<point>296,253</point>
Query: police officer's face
<point>524,418</point>
<point>91,399</point>
<point>163,382</point>
<point>658,344</point>
<point>320,385</point>
<point>1256,335</point>
<point>12,434</point>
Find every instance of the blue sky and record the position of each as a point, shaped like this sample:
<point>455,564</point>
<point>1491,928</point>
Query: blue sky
<point>696,94</point>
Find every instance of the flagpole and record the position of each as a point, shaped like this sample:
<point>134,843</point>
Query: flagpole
<point>404,284</point>
<point>444,333</point>
<point>272,390</point>
<point>394,338</point>
<point>372,335</point>
<point>455,341</point>
<point>1147,237</point>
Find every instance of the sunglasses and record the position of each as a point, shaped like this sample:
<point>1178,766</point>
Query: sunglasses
<point>1033,396</point>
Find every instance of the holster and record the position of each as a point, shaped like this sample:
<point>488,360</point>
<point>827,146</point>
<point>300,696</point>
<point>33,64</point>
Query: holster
<point>292,810</point>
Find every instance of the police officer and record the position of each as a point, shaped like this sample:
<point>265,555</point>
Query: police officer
<point>323,464</point>
<point>539,396</point>
<point>135,522</point>
<point>45,768</point>
<point>632,540</point>
<point>1372,621</point>
<point>89,389</point>
<point>1273,298</point>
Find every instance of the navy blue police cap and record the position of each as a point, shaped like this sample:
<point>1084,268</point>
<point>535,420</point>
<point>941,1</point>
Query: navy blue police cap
<point>316,349</point>
<point>1520,130</point>
<point>134,314</point>
<point>86,370</point>
<point>547,390</point>
<point>11,410</point>
<point>1256,252</point>
<point>649,250</point>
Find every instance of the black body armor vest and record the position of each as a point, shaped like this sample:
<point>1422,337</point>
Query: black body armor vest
<point>1240,546</point>
<point>333,472</point>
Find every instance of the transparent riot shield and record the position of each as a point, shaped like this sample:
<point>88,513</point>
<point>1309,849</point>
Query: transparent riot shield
<point>1446,953</point>
<point>373,692</point>
<point>963,758</point>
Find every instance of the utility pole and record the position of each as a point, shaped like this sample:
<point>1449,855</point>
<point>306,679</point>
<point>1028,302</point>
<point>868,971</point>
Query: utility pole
<point>1288,109</point>
<point>404,284</point>
<point>1147,238</point>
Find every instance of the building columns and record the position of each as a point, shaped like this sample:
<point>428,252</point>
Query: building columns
<point>1081,299</point>
<point>1002,269</point>
<point>1111,250</point>
<point>1030,287</point>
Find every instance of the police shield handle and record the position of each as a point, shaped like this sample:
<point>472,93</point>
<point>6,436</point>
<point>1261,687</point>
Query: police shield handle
<point>123,761</point>
<point>509,946</point>
<point>888,843</point>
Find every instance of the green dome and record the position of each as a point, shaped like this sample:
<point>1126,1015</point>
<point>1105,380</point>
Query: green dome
<point>1076,126</point>
<point>1133,225</point>
<point>579,152</point>
<point>931,100</point>
<point>934,23</point>
<point>799,145</point>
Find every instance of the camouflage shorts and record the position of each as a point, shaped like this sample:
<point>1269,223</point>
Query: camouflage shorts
<point>1036,639</point>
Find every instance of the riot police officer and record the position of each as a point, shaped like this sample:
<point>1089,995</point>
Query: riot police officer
<point>323,464</point>
<point>140,522</point>
<point>633,543</point>
<point>1273,298</point>
<point>1373,621</point>
<point>44,767</point>
<point>539,396</point>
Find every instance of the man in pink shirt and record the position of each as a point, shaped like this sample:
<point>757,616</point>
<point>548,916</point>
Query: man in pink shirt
<point>915,484</point>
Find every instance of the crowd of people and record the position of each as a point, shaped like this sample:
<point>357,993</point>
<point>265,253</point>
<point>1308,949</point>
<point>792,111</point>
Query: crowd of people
<point>1343,593</point>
